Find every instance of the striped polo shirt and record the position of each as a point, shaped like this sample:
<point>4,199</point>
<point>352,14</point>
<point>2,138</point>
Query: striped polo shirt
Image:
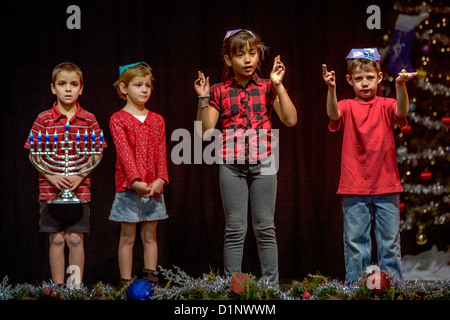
<point>51,121</point>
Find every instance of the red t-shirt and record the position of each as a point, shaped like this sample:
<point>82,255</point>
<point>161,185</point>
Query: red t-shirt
<point>369,157</point>
<point>140,148</point>
<point>53,120</point>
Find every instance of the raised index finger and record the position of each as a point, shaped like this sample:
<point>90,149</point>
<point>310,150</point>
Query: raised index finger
<point>324,68</point>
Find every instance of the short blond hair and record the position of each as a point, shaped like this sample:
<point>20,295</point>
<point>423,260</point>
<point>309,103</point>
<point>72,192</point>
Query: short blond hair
<point>364,64</point>
<point>129,74</point>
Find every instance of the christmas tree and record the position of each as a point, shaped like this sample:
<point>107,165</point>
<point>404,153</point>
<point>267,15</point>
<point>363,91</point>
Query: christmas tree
<point>420,42</point>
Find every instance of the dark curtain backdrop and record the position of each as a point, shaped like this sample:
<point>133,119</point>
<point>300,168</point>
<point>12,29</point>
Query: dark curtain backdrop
<point>177,38</point>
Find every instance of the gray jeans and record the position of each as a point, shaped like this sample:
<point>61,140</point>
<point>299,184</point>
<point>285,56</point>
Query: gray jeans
<point>240,183</point>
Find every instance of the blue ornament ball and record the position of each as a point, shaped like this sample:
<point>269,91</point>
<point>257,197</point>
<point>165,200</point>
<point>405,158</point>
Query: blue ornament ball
<point>140,289</point>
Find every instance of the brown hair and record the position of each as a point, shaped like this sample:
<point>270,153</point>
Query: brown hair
<point>68,67</point>
<point>129,74</point>
<point>235,43</point>
<point>364,64</point>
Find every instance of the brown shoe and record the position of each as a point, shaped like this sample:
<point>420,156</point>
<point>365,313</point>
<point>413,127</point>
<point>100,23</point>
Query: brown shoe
<point>151,276</point>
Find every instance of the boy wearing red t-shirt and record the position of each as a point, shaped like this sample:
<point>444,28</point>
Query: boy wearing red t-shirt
<point>369,181</point>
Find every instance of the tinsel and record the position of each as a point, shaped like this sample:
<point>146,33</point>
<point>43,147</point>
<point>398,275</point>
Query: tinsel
<point>431,36</point>
<point>5,290</point>
<point>427,122</point>
<point>52,291</point>
<point>403,155</point>
<point>434,189</point>
<point>431,208</point>
<point>399,290</point>
<point>435,89</point>
<point>423,6</point>
<point>181,286</point>
<point>209,286</point>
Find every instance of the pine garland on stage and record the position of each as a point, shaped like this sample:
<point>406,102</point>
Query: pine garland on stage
<point>180,286</point>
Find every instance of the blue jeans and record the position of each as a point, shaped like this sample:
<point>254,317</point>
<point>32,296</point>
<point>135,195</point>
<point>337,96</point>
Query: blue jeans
<point>240,183</point>
<point>358,214</point>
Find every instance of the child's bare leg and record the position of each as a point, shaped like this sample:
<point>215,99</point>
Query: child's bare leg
<point>125,252</point>
<point>148,236</point>
<point>75,243</point>
<point>56,256</point>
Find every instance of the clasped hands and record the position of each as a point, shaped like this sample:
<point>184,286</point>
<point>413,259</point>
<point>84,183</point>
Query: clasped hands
<point>64,182</point>
<point>148,190</point>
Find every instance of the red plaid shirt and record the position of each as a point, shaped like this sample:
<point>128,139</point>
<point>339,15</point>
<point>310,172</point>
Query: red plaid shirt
<point>53,120</point>
<point>140,148</point>
<point>245,116</point>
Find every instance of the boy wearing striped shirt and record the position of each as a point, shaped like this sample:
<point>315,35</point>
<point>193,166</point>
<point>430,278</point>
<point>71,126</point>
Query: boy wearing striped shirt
<point>65,223</point>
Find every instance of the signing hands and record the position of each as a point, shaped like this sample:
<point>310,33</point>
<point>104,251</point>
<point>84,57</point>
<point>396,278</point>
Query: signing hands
<point>278,71</point>
<point>404,76</point>
<point>201,85</point>
<point>329,77</point>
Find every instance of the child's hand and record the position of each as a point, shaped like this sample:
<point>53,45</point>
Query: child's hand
<point>404,76</point>
<point>75,181</point>
<point>156,187</point>
<point>59,181</point>
<point>201,85</point>
<point>278,71</point>
<point>329,77</point>
<point>140,187</point>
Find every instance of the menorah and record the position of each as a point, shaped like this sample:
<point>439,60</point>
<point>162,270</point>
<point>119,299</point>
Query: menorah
<point>66,158</point>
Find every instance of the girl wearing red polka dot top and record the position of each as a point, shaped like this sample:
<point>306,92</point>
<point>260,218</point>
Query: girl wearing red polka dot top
<point>141,169</point>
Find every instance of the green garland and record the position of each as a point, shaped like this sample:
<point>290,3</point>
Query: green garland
<point>180,286</point>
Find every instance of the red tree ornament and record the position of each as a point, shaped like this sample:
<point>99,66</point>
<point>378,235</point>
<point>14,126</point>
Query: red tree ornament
<point>377,282</point>
<point>446,121</point>
<point>426,175</point>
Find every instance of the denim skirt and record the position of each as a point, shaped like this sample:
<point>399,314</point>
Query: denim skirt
<point>128,206</point>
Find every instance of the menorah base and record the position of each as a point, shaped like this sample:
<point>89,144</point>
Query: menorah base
<point>66,197</point>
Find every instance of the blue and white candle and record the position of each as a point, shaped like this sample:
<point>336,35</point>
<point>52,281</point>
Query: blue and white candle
<point>55,140</point>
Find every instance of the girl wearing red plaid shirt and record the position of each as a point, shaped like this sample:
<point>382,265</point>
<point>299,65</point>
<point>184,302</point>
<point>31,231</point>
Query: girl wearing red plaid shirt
<point>141,169</point>
<point>244,102</point>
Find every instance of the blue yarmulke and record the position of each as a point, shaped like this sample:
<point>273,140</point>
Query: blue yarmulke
<point>367,53</point>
